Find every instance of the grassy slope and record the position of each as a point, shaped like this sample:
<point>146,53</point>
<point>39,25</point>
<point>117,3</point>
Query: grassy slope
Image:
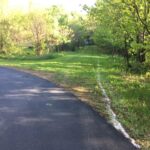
<point>130,94</point>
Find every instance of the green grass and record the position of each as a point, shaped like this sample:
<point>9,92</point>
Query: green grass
<point>130,93</point>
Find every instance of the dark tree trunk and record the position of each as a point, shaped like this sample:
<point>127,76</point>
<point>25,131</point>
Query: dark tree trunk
<point>78,43</point>
<point>1,46</point>
<point>141,54</point>
<point>126,53</point>
<point>1,43</point>
<point>38,49</point>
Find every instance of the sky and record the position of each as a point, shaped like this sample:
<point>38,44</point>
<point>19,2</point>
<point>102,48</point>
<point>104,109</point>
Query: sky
<point>69,5</point>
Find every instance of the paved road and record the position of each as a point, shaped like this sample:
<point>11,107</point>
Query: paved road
<point>37,115</point>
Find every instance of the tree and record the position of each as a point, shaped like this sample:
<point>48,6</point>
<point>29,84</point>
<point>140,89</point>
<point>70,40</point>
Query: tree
<point>140,10</point>
<point>77,25</point>
<point>60,33</point>
<point>4,34</point>
<point>124,25</point>
<point>37,26</point>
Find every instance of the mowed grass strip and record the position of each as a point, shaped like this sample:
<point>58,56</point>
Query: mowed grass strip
<point>130,94</point>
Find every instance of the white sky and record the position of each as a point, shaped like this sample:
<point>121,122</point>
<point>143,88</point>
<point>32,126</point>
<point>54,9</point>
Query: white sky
<point>70,5</point>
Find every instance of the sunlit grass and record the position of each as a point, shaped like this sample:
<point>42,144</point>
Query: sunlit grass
<point>130,94</point>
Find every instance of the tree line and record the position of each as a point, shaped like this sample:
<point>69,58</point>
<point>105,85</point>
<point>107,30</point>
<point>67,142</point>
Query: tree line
<point>123,26</point>
<point>116,26</point>
<point>46,30</point>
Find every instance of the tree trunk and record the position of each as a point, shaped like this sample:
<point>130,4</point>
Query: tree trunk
<point>141,56</point>
<point>38,49</point>
<point>126,53</point>
<point>1,44</point>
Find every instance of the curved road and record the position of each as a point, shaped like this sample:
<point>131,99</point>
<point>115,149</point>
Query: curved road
<point>37,115</point>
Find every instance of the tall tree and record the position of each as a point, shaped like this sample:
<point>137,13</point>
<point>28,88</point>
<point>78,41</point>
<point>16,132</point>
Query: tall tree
<point>37,26</point>
<point>123,25</point>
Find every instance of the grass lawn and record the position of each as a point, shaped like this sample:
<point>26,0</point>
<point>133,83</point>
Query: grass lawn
<point>130,94</point>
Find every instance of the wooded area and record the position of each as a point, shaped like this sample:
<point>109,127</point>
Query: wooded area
<point>118,26</point>
<point>123,26</point>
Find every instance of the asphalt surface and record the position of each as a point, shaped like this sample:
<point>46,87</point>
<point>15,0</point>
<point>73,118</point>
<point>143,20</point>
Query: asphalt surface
<point>37,115</point>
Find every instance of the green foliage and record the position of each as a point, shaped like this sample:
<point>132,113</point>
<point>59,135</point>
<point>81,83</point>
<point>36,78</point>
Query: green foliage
<point>44,30</point>
<point>123,25</point>
<point>4,35</point>
<point>135,46</point>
